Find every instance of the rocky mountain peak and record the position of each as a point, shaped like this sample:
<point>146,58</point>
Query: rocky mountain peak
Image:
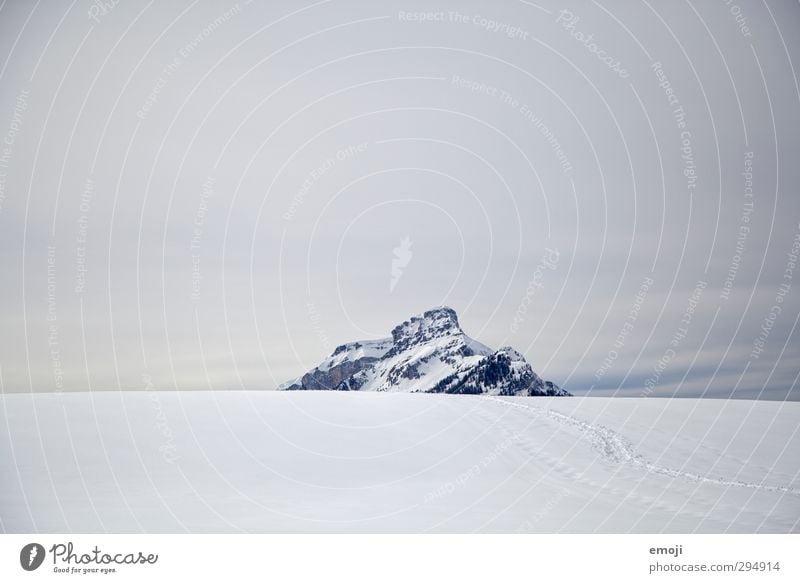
<point>436,322</point>
<point>427,353</point>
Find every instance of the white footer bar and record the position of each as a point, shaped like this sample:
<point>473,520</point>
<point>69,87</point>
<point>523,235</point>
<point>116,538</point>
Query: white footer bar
<point>379,558</point>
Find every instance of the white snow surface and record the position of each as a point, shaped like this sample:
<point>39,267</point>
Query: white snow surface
<point>328,461</point>
<point>355,351</point>
<point>432,367</point>
<point>478,347</point>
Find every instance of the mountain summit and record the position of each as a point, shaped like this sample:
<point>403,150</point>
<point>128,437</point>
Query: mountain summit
<point>428,353</point>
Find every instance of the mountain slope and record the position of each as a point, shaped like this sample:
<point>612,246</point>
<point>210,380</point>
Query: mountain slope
<point>428,353</point>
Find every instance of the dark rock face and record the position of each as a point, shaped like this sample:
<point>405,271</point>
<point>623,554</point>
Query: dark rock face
<point>332,379</point>
<point>420,329</point>
<point>427,353</point>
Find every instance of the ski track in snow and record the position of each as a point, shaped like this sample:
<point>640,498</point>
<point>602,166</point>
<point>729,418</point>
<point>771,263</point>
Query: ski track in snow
<point>614,448</point>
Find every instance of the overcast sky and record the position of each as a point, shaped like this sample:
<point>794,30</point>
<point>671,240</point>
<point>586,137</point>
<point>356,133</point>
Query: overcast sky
<point>215,195</point>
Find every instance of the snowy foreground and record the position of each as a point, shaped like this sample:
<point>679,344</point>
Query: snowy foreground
<point>371,462</point>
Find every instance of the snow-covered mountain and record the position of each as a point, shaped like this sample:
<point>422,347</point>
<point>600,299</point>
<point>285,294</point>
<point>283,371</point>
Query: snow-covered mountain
<point>427,354</point>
